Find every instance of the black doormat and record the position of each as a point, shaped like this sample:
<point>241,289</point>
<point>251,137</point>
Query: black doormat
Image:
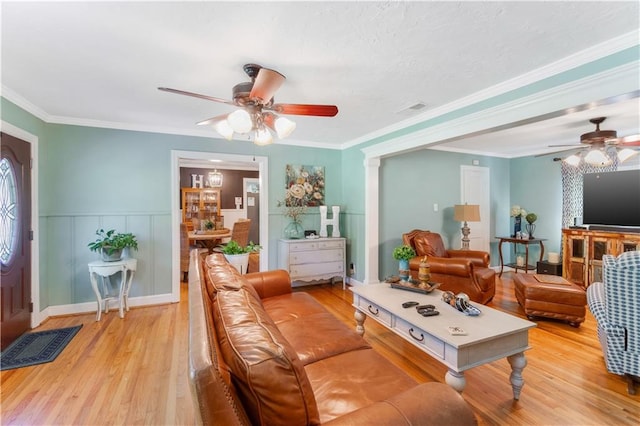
<point>36,348</point>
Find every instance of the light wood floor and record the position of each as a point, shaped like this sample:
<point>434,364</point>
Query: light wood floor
<point>134,371</point>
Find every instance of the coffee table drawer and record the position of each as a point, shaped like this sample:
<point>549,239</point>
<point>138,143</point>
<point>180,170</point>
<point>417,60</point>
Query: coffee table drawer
<point>420,337</point>
<point>375,311</point>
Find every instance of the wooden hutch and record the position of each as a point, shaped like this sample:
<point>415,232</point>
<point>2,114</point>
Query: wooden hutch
<point>200,203</point>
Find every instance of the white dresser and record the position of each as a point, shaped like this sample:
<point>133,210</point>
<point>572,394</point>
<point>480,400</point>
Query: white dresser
<point>313,259</point>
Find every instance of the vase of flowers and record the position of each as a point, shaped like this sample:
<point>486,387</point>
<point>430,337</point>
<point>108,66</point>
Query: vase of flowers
<point>517,213</point>
<point>294,211</point>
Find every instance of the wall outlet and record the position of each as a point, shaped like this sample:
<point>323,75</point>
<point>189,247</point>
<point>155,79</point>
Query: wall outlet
<point>352,269</point>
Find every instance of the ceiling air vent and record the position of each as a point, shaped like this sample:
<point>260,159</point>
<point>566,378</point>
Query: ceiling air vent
<point>411,109</point>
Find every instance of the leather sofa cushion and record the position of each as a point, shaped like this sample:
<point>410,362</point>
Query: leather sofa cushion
<point>356,379</point>
<point>265,370</point>
<point>221,277</point>
<point>314,332</point>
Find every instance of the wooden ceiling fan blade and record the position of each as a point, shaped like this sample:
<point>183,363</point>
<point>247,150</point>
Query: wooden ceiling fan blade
<point>212,120</point>
<point>195,95</point>
<point>631,140</point>
<point>266,85</point>
<point>304,109</point>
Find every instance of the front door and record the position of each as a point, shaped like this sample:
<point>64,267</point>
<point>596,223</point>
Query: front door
<point>15,243</point>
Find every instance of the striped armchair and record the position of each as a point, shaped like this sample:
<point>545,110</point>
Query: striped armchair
<point>615,304</point>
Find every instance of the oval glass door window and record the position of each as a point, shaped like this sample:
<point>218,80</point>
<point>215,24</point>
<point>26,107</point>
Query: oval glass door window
<point>8,211</point>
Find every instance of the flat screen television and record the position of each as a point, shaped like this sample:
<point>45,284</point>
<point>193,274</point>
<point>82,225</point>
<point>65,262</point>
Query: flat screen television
<point>612,199</point>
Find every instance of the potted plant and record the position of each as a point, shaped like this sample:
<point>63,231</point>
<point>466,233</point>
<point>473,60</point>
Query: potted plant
<point>110,244</point>
<point>238,256</point>
<point>531,218</point>
<point>403,254</point>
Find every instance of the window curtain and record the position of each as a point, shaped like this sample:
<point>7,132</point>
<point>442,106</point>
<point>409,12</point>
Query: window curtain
<point>572,186</point>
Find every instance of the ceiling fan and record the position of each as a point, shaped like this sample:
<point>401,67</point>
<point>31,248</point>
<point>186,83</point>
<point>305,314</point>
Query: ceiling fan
<point>257,112</point>
<point>598,141</point>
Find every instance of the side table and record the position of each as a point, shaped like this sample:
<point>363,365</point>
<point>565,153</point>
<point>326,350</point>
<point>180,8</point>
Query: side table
<point>105,269</point>
<point>526,267</point>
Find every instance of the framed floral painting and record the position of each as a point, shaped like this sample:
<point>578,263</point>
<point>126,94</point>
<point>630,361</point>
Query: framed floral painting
<point>305,186</point>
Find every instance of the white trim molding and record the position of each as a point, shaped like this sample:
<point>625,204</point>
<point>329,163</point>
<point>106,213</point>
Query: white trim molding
<point>263,178</point>
<point>613,82</point>
<point>88,307</point>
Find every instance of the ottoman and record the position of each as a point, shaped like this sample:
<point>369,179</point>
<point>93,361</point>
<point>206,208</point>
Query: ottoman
<point>550,296</point>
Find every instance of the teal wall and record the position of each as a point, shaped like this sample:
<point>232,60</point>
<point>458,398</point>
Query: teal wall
<point>93,178</point>
<point>411,183</point>
<point>536,186</point>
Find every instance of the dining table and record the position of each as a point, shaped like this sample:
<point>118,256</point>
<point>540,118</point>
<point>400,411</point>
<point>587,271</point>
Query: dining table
<point>210,239</point>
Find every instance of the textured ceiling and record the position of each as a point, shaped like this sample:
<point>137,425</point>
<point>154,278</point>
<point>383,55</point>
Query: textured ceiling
<point>100,63</point>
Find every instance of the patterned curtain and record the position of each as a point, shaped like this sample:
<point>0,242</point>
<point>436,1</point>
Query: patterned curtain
<point>572,186</point>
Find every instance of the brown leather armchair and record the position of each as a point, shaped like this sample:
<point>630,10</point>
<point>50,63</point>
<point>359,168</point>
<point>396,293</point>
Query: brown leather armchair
<point>458,271</point>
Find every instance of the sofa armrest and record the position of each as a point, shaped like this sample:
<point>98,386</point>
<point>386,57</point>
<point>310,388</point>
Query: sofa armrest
<point>480,258</point>
<point>444,265</point>
<point>430,403</point>
<point>270,283</point>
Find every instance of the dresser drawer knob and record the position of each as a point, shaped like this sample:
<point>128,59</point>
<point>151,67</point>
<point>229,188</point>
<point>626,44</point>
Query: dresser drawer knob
<point>414,337</point>
<point>372,311</point>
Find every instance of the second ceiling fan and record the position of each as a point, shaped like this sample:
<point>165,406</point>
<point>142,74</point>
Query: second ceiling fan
<point>597,141</point>
<point>257,112</point>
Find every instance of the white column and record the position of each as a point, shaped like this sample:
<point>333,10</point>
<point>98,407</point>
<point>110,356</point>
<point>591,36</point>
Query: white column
<point>371,218</point>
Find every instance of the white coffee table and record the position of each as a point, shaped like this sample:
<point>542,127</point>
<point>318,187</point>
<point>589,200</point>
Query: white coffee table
<point>490,336</point>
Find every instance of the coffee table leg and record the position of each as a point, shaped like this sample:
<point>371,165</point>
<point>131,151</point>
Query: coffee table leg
<point>518,363</point>
<point>455,380</point>
<point>360,317</point>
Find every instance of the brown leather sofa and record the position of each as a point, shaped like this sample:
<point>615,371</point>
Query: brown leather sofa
<point>465,271</point>
<point>261,354</point>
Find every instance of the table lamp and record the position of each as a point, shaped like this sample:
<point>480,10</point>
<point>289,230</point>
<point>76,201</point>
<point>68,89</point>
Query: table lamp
<point>466,213</point>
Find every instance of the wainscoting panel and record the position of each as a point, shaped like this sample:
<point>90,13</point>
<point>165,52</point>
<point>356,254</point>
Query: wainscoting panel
<point>64,279</point>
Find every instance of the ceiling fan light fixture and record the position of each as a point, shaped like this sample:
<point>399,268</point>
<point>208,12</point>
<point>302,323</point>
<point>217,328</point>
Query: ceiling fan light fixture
<point>596,157</point>
<point>572,160</point>
<point>240,121</point>
<point>224,129</point>
<point>625,154</point>
<point>263,137</point>
<point>284,127</point>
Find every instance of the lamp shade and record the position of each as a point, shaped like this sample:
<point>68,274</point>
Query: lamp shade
<point>596,157</point>
<point>224,129</point>
<point>240,121</point>
<point>626,153</point>
<point>284,127</point>
<point>573,160</point>
<point>262,137</point>
<point>466,213</point>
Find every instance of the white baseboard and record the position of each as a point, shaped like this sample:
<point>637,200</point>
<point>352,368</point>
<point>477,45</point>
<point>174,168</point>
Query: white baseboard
<point>86,307</point>
<point>352,281</point>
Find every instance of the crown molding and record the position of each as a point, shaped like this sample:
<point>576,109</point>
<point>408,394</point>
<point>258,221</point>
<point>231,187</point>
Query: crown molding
<point>583,57</point>
<point>23,103</point>
<point>537,107</point>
